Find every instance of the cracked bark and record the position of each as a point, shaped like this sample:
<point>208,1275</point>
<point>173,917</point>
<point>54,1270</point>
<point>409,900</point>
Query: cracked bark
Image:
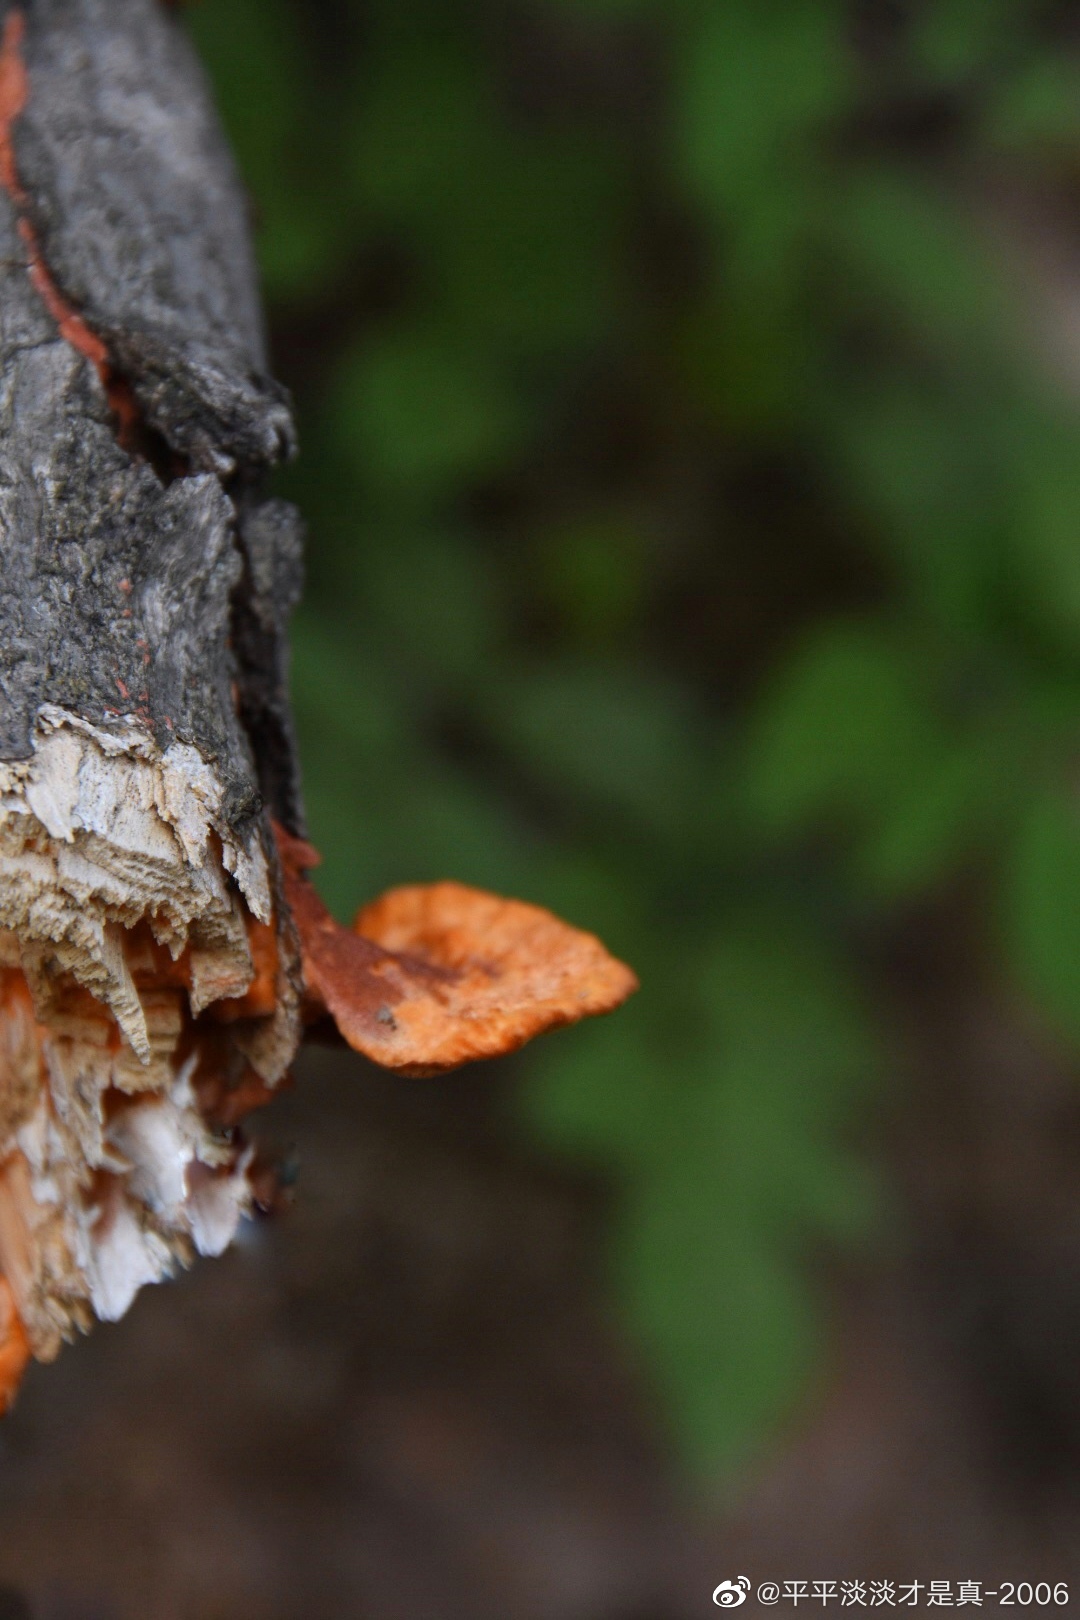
<point>153,941</point>
<point>144,726</point>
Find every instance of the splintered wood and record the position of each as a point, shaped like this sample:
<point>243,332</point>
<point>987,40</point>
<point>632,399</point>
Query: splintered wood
<point>124,936</point>
<point>161,948</point>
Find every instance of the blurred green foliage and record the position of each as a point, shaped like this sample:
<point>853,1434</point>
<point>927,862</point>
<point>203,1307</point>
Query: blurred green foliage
<point>695,550</point>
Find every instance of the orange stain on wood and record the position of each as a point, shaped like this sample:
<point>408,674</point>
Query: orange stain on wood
<point>260,998</point>
<point>73,329</point>
<point>14,1346</point>
<point>14,95</point>
<point>436,975</point>
<point>226,1100</point>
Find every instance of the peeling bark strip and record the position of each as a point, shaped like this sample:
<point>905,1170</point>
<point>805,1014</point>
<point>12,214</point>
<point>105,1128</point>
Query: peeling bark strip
<point>160,950</point>
<point>14,92</point>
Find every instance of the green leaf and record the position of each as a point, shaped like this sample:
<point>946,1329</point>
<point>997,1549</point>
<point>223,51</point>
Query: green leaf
<point>1046,524</point>
<point>594,569</point>
<point>754,87</point>
<point>733,1331</point>
<point>517,233</point>
<point>908,244</point>
<point>957,809</point>
<point>1038,107</point>
<point>422,128</point>
<point>748,355</point>
<point>744,1169</point>
<point>427,417</point>
<point>434,604</point>
<point>605,11</point>
<point>344,748</point>
<point>602,1094</point>
<point>842,731</point>
<point>530,262</point>
<point>725,1122</point>
<point>599,730</point>
<point>922,466</point>
<point>263,81</point>
<point>1042,907</point>
<point>954,39</point>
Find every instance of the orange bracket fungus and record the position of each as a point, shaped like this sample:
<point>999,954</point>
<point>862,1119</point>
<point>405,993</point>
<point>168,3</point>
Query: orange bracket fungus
<point>435,975</point>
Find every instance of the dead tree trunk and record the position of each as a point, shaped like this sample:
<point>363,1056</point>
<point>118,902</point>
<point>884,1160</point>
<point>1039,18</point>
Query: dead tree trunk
<point>157,955</point>
<point>144,724</point>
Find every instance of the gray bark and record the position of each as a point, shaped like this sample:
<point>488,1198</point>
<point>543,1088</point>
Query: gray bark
<point>145,582</point>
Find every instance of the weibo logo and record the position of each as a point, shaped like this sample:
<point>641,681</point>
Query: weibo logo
<point>729,1594</point>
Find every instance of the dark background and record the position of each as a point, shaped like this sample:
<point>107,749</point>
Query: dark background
<point>690,406</point>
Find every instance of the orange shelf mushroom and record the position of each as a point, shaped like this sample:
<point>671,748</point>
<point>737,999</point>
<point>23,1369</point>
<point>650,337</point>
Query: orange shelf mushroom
<point>431,976</point>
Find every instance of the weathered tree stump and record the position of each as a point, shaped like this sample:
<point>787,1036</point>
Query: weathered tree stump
<point>160,947</point>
